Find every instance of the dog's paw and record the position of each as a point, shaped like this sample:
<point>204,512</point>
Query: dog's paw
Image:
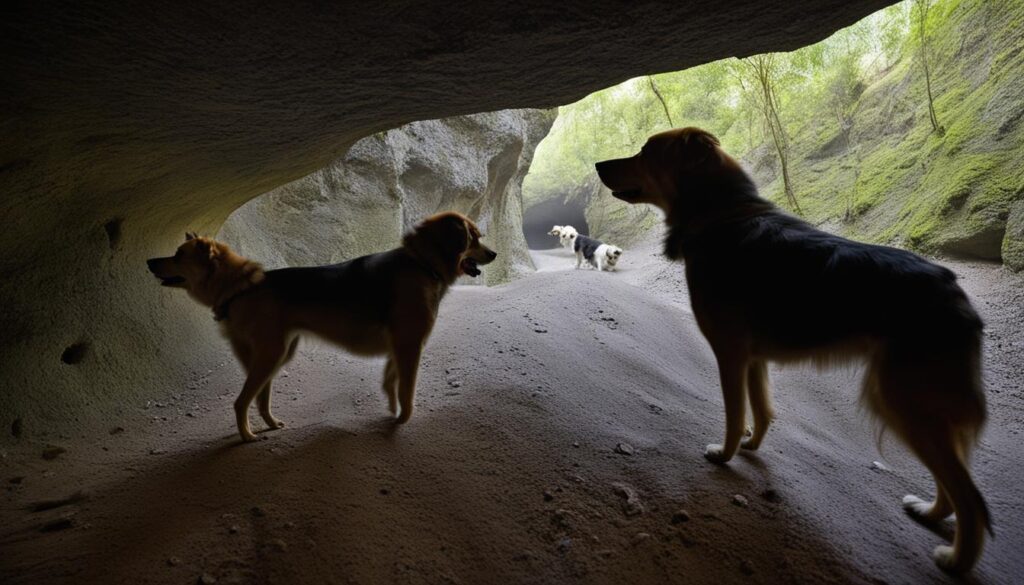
<point>750,444</point>
<point>248,437</point>
<point>945,558</point>
<point>915,506</point>
<point>715,454</point>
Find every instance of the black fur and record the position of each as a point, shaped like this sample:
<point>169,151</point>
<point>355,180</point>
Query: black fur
<point>588,245</point>
<point>798,285</point>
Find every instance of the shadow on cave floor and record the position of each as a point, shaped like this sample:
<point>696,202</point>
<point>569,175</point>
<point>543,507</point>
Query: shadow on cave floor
<point>557,438</point>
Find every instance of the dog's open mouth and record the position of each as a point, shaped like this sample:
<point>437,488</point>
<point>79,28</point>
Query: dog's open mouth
<point>171,280</point>
<point>469,267</point>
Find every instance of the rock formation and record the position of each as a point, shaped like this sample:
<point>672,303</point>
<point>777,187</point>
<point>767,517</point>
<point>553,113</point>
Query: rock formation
<point>364,201</point>
<point>125,124</point>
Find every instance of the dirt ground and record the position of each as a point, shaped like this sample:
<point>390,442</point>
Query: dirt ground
<point>558,436</point>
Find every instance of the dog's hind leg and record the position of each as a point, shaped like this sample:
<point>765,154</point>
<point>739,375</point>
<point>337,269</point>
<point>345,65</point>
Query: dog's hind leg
<point>760,403</point>
<point>390,385</point>
<point>733,372</point>
<point>264,363</point>
<point>263,400</point>
<point>937,451</point>
<point>931,512</point>
<point>934,404</point>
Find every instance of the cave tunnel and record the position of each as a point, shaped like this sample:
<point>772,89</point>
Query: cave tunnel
<point>539,451</point>
<point>539,219</point>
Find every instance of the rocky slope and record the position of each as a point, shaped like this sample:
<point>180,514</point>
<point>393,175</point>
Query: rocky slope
<point>890,178</point>
<point>365,201</point>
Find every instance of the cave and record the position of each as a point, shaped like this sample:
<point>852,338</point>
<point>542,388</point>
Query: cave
<point>127,126</point>
<point>539,219</point>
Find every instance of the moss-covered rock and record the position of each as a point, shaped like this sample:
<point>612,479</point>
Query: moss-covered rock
<point>891,179</point>
<point>1013,242</point>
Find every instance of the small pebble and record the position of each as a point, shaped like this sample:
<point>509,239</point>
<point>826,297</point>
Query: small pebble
<point>564,545</point>
<point>548,496</point>
<point>540,330</point>
<point>51,453</point>
<point>116,430</point>
<point>746,568</point>
<point>740,501</point>
<point>640,537</point>
<point>234,529</point>
<point>624,449</point>
<point>173,562</point>
<point>279,545</point>
<point>680,517</point>
<point>206,579</point>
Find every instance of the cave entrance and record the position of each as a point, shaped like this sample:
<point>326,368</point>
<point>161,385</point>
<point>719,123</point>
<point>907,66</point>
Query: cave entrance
<point>538,219</point>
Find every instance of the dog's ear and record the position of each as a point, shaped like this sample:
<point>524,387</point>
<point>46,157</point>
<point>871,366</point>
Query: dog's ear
<point>190,236</point>
<point>206,247</point>
<point>699,146</point>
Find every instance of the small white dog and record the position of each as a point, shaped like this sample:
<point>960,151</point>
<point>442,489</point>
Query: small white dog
<point>566,235</point>
<point>598,254</point>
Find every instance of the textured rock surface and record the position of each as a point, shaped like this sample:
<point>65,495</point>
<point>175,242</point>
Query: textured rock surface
<point>364,201</point>
<point>1013,242</point>
<point>125,124</point>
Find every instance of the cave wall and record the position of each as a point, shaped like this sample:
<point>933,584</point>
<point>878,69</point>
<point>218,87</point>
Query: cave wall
<point>127,123</point>
<point>365,201</point>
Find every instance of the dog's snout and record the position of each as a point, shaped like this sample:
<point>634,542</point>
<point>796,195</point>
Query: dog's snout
<point>152,264</point>
<point>491,254</point>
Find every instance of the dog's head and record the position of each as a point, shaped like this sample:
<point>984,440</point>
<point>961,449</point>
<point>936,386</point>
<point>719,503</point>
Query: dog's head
<point>555,231</point>
<point>191,264</point>
<point>613,253</point>
<point>660,172</point>
<point>450,242</point>
<point>206,268</point>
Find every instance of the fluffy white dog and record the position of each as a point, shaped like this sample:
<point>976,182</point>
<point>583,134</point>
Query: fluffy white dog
<point>566,235</point>
<point>598,254</point>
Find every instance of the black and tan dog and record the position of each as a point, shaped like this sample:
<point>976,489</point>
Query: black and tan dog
<point>381,304</point>
<point>767,286</point>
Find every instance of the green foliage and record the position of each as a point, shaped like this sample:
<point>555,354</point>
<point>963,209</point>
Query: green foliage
<point>864,159</point>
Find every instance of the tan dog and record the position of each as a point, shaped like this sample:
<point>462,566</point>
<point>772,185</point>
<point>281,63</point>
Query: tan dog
<point>768,286</point>
<point>381,304</point>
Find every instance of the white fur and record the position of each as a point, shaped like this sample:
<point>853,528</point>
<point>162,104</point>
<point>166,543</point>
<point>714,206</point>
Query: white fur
<point>568,237</point>
<point>606,257</point>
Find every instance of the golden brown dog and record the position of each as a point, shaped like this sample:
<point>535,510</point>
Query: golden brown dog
<point>381,304</point>
<point>767,286</point>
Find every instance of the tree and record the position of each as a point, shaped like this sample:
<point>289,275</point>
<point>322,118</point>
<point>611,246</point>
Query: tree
<point>764,72</point>
<point>661,98</point>
<point>920,14</point>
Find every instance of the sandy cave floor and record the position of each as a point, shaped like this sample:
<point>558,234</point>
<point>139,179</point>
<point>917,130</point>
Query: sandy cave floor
<point>558,436</point>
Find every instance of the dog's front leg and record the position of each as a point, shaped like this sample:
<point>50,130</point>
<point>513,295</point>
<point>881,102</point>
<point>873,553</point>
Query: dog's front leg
<point>579,260</point>
<point>390,385</point>
<point>407,356</point>
<point>733,372</point>
<point>760,403</point>
<point>261,369</point>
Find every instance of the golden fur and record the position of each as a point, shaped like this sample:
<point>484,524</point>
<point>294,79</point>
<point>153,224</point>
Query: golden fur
<point>766,286</point>
<point>381,304</point>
